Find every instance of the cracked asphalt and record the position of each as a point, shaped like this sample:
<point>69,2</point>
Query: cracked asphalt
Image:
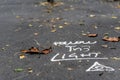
<point>27,23</point>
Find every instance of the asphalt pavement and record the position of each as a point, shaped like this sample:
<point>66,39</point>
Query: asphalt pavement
<point>73,28</point>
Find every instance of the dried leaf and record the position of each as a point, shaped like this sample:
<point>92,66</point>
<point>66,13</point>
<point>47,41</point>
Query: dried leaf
<point>84,34</point>
<point>92,35</point>
<point>118,6</point>
<point>115,58</point>
<point>105,46</point>
<point>60,27</point>
<point>17,17</point>
<point>82,22</point>
<point>31,50</point>
<point>3,48</point>
<point>95,27</point>
<point>114,17</point>
<point>30,70</point>
<point>111,39</point>
<point>18,70</point>
<point>66,23</point>
<point>44,3</point>
<point>22,56</point>
<point>53,4</point>
<point>92,16</point>
<point>36,34</point>
<point>47,51</point>
<point>53,30</point>
<point>30,25</point>
<point>37,51</point>
<point>117,28</point>
<point>69,69</point>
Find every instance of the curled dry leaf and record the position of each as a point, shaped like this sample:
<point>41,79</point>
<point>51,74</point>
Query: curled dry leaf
<point>47,51</point>
<point>112,39</point>
<point>35,50</point>
<point>92,35</point>
<point>31,50</point>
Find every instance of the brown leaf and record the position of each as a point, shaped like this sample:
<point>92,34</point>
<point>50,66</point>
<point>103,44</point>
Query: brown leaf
<point>31,50</point>
<point>111,39</point>
<point>37,51</point>
<point>47,51</point>
<point>92,35</point>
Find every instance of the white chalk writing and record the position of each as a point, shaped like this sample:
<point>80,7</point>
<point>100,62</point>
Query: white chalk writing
<point>74,43</point>
<point>78,50</point>
<point>74,57</point>
<point>85,48</point>
<point>99,67</point>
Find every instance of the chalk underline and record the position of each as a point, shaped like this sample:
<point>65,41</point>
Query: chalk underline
<point>68,59</point>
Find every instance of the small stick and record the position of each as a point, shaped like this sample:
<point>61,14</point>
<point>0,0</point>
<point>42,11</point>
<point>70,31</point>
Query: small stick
<point>37,42</point>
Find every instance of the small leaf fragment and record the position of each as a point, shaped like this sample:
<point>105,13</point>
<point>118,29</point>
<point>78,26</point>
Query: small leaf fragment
<point>117,28</point>
<point>60,27</point>
<point>18,70</point>
<point>31,50</point>
<point>114,17</point>
<point>17,17</point>
<point>81,23</point>
<point>70,69</point>
<point>115,58</point>
<point>35,33</point>
<point>92,35</point>
<point>111,39</point>
<point>47,51</point>
<point>66,23</point>
<point>22,56</point>
<point>30,70</point>
<point>92,16</point>
<point>104,46</point>
<point>53,30</point>
<point>30,25</point>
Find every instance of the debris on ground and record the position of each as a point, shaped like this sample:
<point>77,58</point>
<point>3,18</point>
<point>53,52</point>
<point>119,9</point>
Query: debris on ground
<point>55,4</point>
<point>92,35</point>
<point>111,39</point>
<point>31,50</point>
<point>114,17</point>
<point>69,69</point>
<point>92,15</point>
<point>117,28</point>
<point>115,58</point>
<point>34,50</point>
<point>104,46</point>
<point>36,33</point>
<point>47,51</point>
<point>30,70</point>
<point>22,56</point>
<point>18,69</point>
